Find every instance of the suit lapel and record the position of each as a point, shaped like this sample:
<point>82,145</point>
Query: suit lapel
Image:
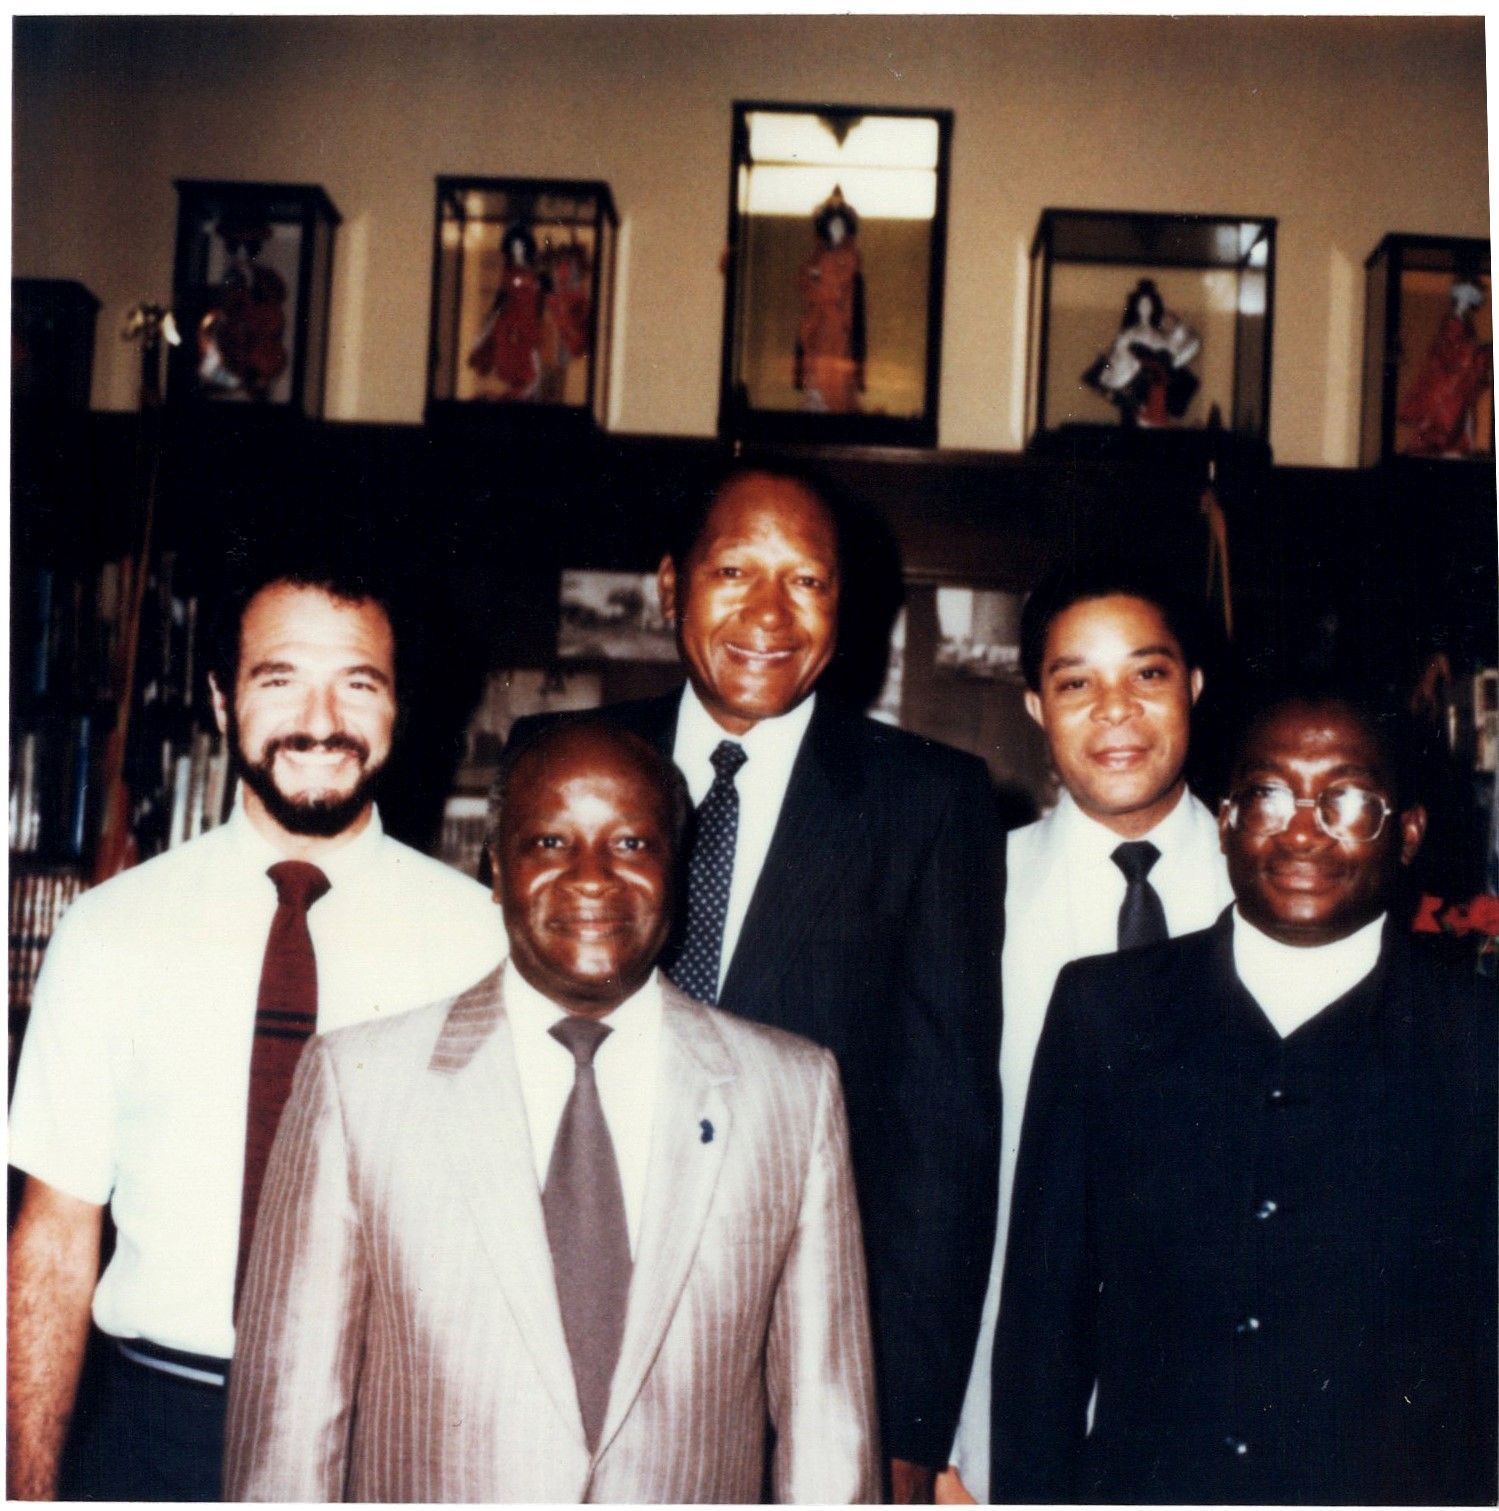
<point>818,835</point>
<point>691,1130</point>
<point>486,1139</point>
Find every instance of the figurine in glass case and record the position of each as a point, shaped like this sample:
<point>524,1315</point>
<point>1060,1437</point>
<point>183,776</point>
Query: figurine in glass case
<point>829,367</point>
<point>241,350</point>
<point>567,312</point>
<point>1441,406</point>
<point>1146,372</point>
<point>509,345</point>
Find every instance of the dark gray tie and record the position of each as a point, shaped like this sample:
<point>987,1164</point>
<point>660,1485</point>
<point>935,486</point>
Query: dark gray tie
<point>1142,919</point>
<point>584,1207</point>
<point>709,875</point>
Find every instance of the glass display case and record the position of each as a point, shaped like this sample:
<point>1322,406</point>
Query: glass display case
<point>1428,351</point>
<point>522,296</point>
<point>833,295</point>
<point>1149,322</point>
<point>251,287</point>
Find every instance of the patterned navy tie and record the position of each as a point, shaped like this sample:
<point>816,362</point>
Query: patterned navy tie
<point>708,877</point>
<point>1142,919</point>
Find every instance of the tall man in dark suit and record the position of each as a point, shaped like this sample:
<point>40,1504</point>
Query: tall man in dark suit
<point>842,886</point>
<point>1255,1205</point>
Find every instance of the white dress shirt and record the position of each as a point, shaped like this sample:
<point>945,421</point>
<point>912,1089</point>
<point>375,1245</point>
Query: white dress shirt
<point>1095,884</point>
<point>625,1068</point>
<point>134,1076</point>
<point>1062,898</point>
<point>1292,983</point>
<point>770,750</point>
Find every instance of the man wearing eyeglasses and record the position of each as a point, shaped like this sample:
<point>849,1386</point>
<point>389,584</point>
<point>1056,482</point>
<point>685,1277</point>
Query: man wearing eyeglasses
<point>1255,1204</point>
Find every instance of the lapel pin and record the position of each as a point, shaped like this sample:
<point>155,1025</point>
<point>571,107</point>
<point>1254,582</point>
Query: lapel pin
<point>707,1128</point>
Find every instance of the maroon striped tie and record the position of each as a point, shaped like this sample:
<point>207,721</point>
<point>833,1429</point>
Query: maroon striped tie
<point>285,1017</point>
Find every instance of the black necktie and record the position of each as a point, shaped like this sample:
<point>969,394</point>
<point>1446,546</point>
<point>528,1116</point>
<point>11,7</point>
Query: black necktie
<point>1142,919</point>
<point>584,1206</point>
<point>708,877</point>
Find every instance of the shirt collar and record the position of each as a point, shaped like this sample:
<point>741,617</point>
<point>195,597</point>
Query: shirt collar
<point>1094,843</point>
<point>770,741</point>
<point>338,865</point>
<point>1295,982</point>
<point>532,1012</point>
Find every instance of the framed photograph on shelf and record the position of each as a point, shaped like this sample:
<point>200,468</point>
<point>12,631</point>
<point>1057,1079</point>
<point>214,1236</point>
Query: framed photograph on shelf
<point>960,682</point>
<point>1428,351</point>
<point>612,616</point>
<point>833,291</point>
<point>250,289</point>
<point>522,295</point>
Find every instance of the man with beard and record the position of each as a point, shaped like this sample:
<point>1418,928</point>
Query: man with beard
<point>174,1002</point>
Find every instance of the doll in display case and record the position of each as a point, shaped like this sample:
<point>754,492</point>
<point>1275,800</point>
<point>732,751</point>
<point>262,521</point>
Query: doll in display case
<point>241,337</point>
<point>1146,373</point>
<point>508,347</point>
<point>1441,406</point>
<point>829,364</point>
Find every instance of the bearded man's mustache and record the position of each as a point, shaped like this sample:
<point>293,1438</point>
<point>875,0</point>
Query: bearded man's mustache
<point>302,743</point>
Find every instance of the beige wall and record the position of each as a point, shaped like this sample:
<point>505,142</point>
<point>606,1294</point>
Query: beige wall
<point>1343,128</point>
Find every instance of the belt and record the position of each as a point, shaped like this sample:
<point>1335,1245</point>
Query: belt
<point>202,1369</point>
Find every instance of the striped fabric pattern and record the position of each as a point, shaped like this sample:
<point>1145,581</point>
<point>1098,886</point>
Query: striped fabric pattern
<point>401,1337</point>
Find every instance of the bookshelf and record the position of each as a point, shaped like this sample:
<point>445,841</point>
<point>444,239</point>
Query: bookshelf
<point>112,756</point>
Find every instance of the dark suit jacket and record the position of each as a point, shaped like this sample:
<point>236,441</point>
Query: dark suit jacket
<point>1276,1258</point>
<point>873,931</point>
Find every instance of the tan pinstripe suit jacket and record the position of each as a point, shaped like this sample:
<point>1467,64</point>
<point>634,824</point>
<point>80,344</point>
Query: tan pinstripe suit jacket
<point>400,1338</point>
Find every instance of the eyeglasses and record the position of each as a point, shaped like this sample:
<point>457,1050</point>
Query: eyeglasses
<point>1353,815</point>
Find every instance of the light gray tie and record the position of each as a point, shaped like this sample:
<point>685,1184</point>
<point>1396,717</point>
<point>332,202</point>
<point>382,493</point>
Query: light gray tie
<point>584,1207</point>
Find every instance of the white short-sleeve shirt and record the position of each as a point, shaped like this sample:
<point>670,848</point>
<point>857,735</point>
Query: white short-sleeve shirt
<point>134,1074</point>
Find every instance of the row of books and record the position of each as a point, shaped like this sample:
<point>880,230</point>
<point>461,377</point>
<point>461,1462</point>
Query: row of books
<point>77,623</point>
<point>191,797</point>
<point>51,773</point>
<point>77,627</point>
<point>37,902</point>
<point>179,784</point>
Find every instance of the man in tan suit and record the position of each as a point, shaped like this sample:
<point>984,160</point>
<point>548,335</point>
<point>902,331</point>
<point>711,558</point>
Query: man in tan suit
<point>495,1264</point>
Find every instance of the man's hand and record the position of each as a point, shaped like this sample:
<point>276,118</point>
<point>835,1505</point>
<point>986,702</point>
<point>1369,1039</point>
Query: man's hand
<point>951,1491</point>
<point>54,1262</point>
<point>911,1484</point>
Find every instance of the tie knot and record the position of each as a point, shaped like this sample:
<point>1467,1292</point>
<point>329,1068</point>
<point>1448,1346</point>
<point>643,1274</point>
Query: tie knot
<point>1135,858</point>
<point>299,883</point>
<point>727,758</point>
<point>581,1037</point>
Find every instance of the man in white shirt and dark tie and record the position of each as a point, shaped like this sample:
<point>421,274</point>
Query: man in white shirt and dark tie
<point>1128,856</point>
<point>172,1006</point>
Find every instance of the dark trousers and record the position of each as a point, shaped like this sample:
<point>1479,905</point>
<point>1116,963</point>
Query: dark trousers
<point>147,1437</point>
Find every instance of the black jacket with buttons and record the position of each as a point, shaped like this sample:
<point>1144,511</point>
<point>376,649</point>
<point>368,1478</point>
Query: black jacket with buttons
<point>1274,1258</point>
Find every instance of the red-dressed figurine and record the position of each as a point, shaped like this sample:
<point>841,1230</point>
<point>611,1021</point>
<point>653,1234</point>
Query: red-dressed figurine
<point>830,338</point>
<point>1441,405</point>
<point>241,352</point>
<point>508,347</point>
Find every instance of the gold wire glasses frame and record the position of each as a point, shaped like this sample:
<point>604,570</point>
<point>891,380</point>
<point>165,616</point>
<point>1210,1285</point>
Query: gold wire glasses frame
<point>1351,814</point>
